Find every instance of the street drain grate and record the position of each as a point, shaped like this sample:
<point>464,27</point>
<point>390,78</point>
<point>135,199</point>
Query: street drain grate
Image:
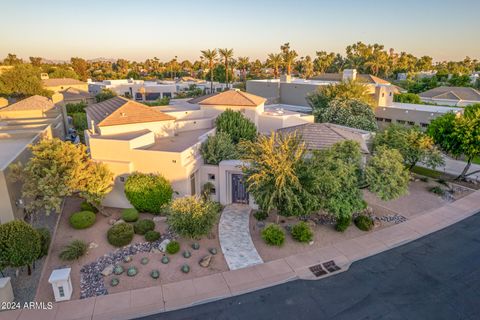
<point>317,270</point>
<point>331,266</point>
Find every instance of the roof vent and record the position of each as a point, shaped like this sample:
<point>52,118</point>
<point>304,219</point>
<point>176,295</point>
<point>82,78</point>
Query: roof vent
<point>123,114</point>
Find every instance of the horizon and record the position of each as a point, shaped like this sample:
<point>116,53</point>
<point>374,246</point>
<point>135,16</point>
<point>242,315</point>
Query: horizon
<point>443,30</point>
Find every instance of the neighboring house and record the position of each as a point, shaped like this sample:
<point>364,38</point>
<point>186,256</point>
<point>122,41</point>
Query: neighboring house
<point>73,95</point>
<point>21,124</point>
<point>290,91</point>
<point>60,84</point>
<point>129,136</point>
<point>451,96</point>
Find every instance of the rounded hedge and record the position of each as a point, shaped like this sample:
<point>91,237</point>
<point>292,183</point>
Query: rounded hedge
<point>143,226</point>
<point>130,215</point>
<point>85,206</point>
<point>148,192</point>
<point>302,232</point>
<point>152,236</point>
<point>120,235</point>
<point>173,247</point>
<point>364,223</point>
<point>20,244</point>
<point>82,219</point>
<point>343,223</point>
<point>273,235</point>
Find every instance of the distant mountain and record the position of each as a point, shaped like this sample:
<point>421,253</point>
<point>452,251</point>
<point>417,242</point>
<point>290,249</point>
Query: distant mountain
<point>102,59</point>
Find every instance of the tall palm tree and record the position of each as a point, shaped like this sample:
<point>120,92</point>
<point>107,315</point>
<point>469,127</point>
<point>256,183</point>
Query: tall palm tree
<point>226,54</point>
<point>289,57</point>
<point>275,61</point>
<point>243,64</point>
<point>210,56</point>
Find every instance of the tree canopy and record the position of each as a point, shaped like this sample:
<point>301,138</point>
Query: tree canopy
<point>217,148</point>
<point>236,125</point>
<point>22,81</point>
<point>105,94</point>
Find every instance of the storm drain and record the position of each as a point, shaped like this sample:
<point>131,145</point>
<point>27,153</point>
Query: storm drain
<point>331,266</point>
<point>318,270</point>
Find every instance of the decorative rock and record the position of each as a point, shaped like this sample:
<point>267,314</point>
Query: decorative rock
<point>132,271</point>
<point>187,254</point>
<point>92,245</point>
<point>185,268</point>
<point>195,246</point>
<point>118,270</point>
<point>127,259</point>
<point>163,245</point>
<point>155,274</point>
<point>205,261</point>
<point>107,271</point>
<point>311,243</point>
<point>111,222</point>
<point>119,221</point>
<point>213,251</point>
<point>165,260</point>
<point>144,260</point>
<point>159,219</point>
<point>261,224</point>
<point>114,282</point>
<point>155,250</point>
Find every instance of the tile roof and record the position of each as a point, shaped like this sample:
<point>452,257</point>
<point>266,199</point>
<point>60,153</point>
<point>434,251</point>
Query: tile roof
<point>74,93</point>
<point>452,93</point>
<point>230,98</point>
<point>319,136</point>
<point>368,78</point>
<point>31,103</point>
<point>119,111</point>
<point>55,82</point>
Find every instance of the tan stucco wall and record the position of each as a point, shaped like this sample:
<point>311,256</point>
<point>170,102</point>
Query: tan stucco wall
<point>83,87</point>
<point>268,123</point>
<point>267,89</point>
<point>160,128</point>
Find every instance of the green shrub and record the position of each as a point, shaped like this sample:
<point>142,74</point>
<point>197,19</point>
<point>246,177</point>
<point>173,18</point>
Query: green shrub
<point>85,206</point>
<point>261,215</point>
<point>152,236</point>
<point>443,181</point>
<point>45,239</point>
<point>19,244</point>
<point>120,235</point>
<point>173,247</point>
<point>82,219</point>
<point>437,190</point>
<point>148,192</point>
<point>130,215</point>
<point>364,223</point>
<point>273,235</point>
<point>217,148</point>
<point>143,226</point>
<point>343,223</point>
<point>236,125</point>
<point>73,251</point>
<point>75,107</point>
<point>192,217</point>
<point>302,232</point>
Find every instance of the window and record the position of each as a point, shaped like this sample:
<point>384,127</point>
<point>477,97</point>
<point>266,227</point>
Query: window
<point>211,176</point>
<point>213,191</point>
<point>379,119</point>
<point>423,125</point>
<point>152,96</point>
<point>122,179</point>
<point>411,123</point>
<point>401,121</point>
<point>167,94</point>
<point>387,120</point>
<point>138,96</point>
<point>61,292</point>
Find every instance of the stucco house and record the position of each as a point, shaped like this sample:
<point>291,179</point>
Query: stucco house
<point>451,96</point>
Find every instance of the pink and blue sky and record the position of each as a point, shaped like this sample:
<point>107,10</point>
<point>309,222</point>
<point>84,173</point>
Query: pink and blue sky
<point>443,29</point>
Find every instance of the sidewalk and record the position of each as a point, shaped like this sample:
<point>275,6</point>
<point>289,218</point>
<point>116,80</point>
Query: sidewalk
<point>455,167</point>
<point>141,302</point>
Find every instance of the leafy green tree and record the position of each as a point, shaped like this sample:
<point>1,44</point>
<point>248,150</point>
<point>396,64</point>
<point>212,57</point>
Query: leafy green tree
<point>350,113</point>
<point>148,192</point>
<point>459,135</point>
<point>323,61</point>
<point>407,98</point>
<point>414,145</point>
<point>217,148</point>
<point>58,169</point>
<point>219,73</point>
<point>62,73</point>
<point>275,61</point>
<point>105,95</point>
<point>210,56</point>
<point>12,60</point>
<point>36,61</point>
<point>236,125</point>
<point>386,175</point>
<point>288,56</point>
<point>460,80</point>
<point>80,66</point>
<point>22,81</point>
<point>422,85</point>
<point>20,245</point>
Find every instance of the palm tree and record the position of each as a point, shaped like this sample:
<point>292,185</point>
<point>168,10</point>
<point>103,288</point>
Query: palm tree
<point>243,64</point>
<point>210,56</point>
<point>289,57</point>
<point>275,61</point>
<point>226,54</point>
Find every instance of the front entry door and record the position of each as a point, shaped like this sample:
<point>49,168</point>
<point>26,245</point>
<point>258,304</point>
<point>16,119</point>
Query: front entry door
<point>239,192</point>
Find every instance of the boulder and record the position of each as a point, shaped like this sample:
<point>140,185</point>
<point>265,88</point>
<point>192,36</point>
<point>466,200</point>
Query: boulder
<point>205,261</point>
<point>157,219</point>
<point>108,270</point>
<point>119,221</point>
<point>163,245</point>
<point>127,259</point>
<point>92,245</point>
<point>112,221</point>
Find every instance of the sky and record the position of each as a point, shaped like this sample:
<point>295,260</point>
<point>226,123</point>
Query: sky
<point>140,29</point>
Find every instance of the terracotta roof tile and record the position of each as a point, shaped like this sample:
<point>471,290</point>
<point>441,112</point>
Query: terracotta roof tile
<point>452,93</point>
<point>230,98</point>
<point>61,82</point>
<point>31,103</point>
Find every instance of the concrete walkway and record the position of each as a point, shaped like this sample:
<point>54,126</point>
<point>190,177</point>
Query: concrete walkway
<point>455,167</point>
<point>235,240</point>
<point>141,302</point>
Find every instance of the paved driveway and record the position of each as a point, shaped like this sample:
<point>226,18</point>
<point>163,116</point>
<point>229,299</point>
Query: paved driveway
<point>437,277</point>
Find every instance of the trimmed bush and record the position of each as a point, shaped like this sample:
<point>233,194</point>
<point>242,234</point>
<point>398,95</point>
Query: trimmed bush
<point>173,247</point>
<point>143,226</point>
<point>364,223</point>
<point>302,232</point>
<point>343,223</point>
<point>130,215</point>
<point>273,235</point>
<point>261,215</point>
<point>19,244</point>
<point>437,190</point>
<point>74,250</point>
<point>45,239</point>
<point>82,219</point>
<point>192,217</point>
<point>236,125</point>
<point>85,206</point>
<point>120,235</point>
<point>148,192</point>
<point>152,236</point>
<point>217,148</point>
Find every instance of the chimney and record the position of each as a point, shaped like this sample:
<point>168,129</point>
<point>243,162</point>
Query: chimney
<point>92,126</point>
<point>349,74</point>
<point>285,78</point>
